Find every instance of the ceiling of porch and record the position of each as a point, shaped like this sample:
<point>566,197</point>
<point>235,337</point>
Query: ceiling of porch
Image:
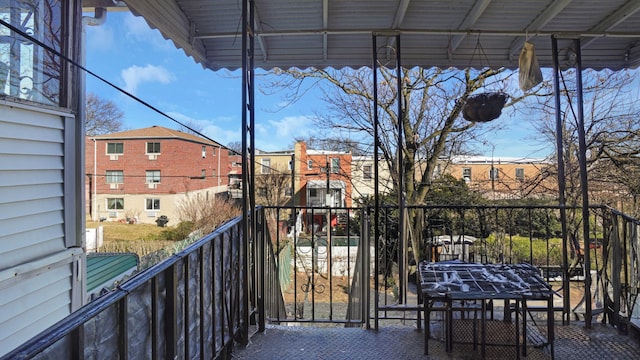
<point>443,33</point>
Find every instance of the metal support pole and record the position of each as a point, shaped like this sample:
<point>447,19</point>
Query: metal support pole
<point>582,159</point>
<point>376,207</point>
<point>402,261</point>
<point>248,155</point>
<point>561,183</point>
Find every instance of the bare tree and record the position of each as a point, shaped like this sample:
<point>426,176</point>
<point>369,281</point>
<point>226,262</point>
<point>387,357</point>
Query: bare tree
<point>271,187</point>
<point>102,116</point>
<point>432,104</point>
<point>235,146</point>
<point>206,214</point>
<point>612,134</point>
<point>192,127</point>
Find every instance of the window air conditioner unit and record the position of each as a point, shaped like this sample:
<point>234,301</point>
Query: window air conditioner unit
<point>113,157</point>
<point>113,186</point>
<point>152,185</point>
<point>153,157</point>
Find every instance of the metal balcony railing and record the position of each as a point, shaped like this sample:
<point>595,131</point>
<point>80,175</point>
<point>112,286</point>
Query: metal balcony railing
<point>296,269</point>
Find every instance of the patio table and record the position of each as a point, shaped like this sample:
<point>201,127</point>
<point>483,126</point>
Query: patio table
<point>449,282</point>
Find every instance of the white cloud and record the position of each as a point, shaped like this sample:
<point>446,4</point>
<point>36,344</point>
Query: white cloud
<point>100,38</point>
<point>211,127</point>
<point>135,75</point>
<point>137,30</point>
<point>291,126</point>
<point>279,134</point>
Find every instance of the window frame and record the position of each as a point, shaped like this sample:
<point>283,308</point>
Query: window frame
<point>110,175</point>
<point>151,178</point>
<point>31,73</point>
<point>367,175</point>
<point>153,152</point>
<point>112,204</point>
<point>519,174</point>
<point>115,144</point>
<point>265,168</point>
<point>466,173</point>
<point>494,173</point>
<point>153,202</point>
<point>335,165</point>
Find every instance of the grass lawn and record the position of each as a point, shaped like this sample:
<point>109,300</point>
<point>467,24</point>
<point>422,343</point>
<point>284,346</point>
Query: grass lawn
<point>141,239</point>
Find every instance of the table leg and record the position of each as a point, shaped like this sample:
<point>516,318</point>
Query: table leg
<point>517,326</point>
<point>449,325</point>
<point>550,325</point>
<point>524,327</point>
<point>483,329</point>
<point>427,324</point>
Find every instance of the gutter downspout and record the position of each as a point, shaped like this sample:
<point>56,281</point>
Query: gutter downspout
<point>99,18</point>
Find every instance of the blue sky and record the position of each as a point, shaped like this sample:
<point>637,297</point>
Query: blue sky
<point>126,52</point>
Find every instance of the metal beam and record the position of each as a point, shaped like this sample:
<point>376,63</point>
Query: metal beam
<point>325,25</point>
<point>540,21</point>
<point>614,19</point>
<point>401,12</point>
<point>257,28</point>
<point>468,22</point>
<point>563,34</point>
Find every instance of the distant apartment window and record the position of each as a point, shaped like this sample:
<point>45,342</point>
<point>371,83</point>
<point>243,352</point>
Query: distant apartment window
<point>115,148</point>
<point>203,173</point>
<point>115,203</point>
<point>335,165</point>
<point>115,177</point>
<point>234,164</point>
<point>153,176</point>
<point>310,164</point>
<point>262,191</point>
<point>204,152</point>
<point>466,174</point>
<point>152,204</point>
<point>214,173</point>
<point>288,191</point>
<point>266,166</point>
<point>290,164</point>
<point>366,172</point>
<point>213,151</point>
<point>313,193</point>
<point>493,173</point>
<point>519,174</point>
<point>153,148</point>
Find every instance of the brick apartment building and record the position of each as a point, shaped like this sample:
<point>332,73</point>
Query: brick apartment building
<point>144,173</point>
<point>316,173</point>
<point>502,177</point>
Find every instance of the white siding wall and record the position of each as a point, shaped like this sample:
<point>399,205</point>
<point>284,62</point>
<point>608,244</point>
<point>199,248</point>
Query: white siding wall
<point>39,271</point>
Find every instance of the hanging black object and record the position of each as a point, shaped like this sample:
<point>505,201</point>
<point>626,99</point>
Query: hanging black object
<point>484,107</point>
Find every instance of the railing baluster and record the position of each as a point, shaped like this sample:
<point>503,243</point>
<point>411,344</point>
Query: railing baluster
<point>155,323</point>
<point>170,313</point>
<point>201,303</point>
<point>187,306</point>
<point>123,328</point>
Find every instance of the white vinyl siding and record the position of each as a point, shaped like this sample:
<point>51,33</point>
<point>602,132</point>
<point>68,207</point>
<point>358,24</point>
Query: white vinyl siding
<point>32,186</point>
<point>39,222</point>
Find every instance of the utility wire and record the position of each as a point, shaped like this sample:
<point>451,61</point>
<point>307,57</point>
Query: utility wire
<point>57,53</point>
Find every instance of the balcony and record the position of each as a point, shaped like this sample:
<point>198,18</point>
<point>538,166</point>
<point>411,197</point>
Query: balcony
<point>293,293</point>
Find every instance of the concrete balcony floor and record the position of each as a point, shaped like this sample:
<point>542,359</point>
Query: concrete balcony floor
<point>572,341</point>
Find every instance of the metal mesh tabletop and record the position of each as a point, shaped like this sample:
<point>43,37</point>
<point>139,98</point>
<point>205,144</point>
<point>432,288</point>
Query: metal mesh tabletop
<point>460,280</point>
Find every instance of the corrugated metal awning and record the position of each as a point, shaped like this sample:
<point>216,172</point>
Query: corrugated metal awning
<point>442,33</point>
